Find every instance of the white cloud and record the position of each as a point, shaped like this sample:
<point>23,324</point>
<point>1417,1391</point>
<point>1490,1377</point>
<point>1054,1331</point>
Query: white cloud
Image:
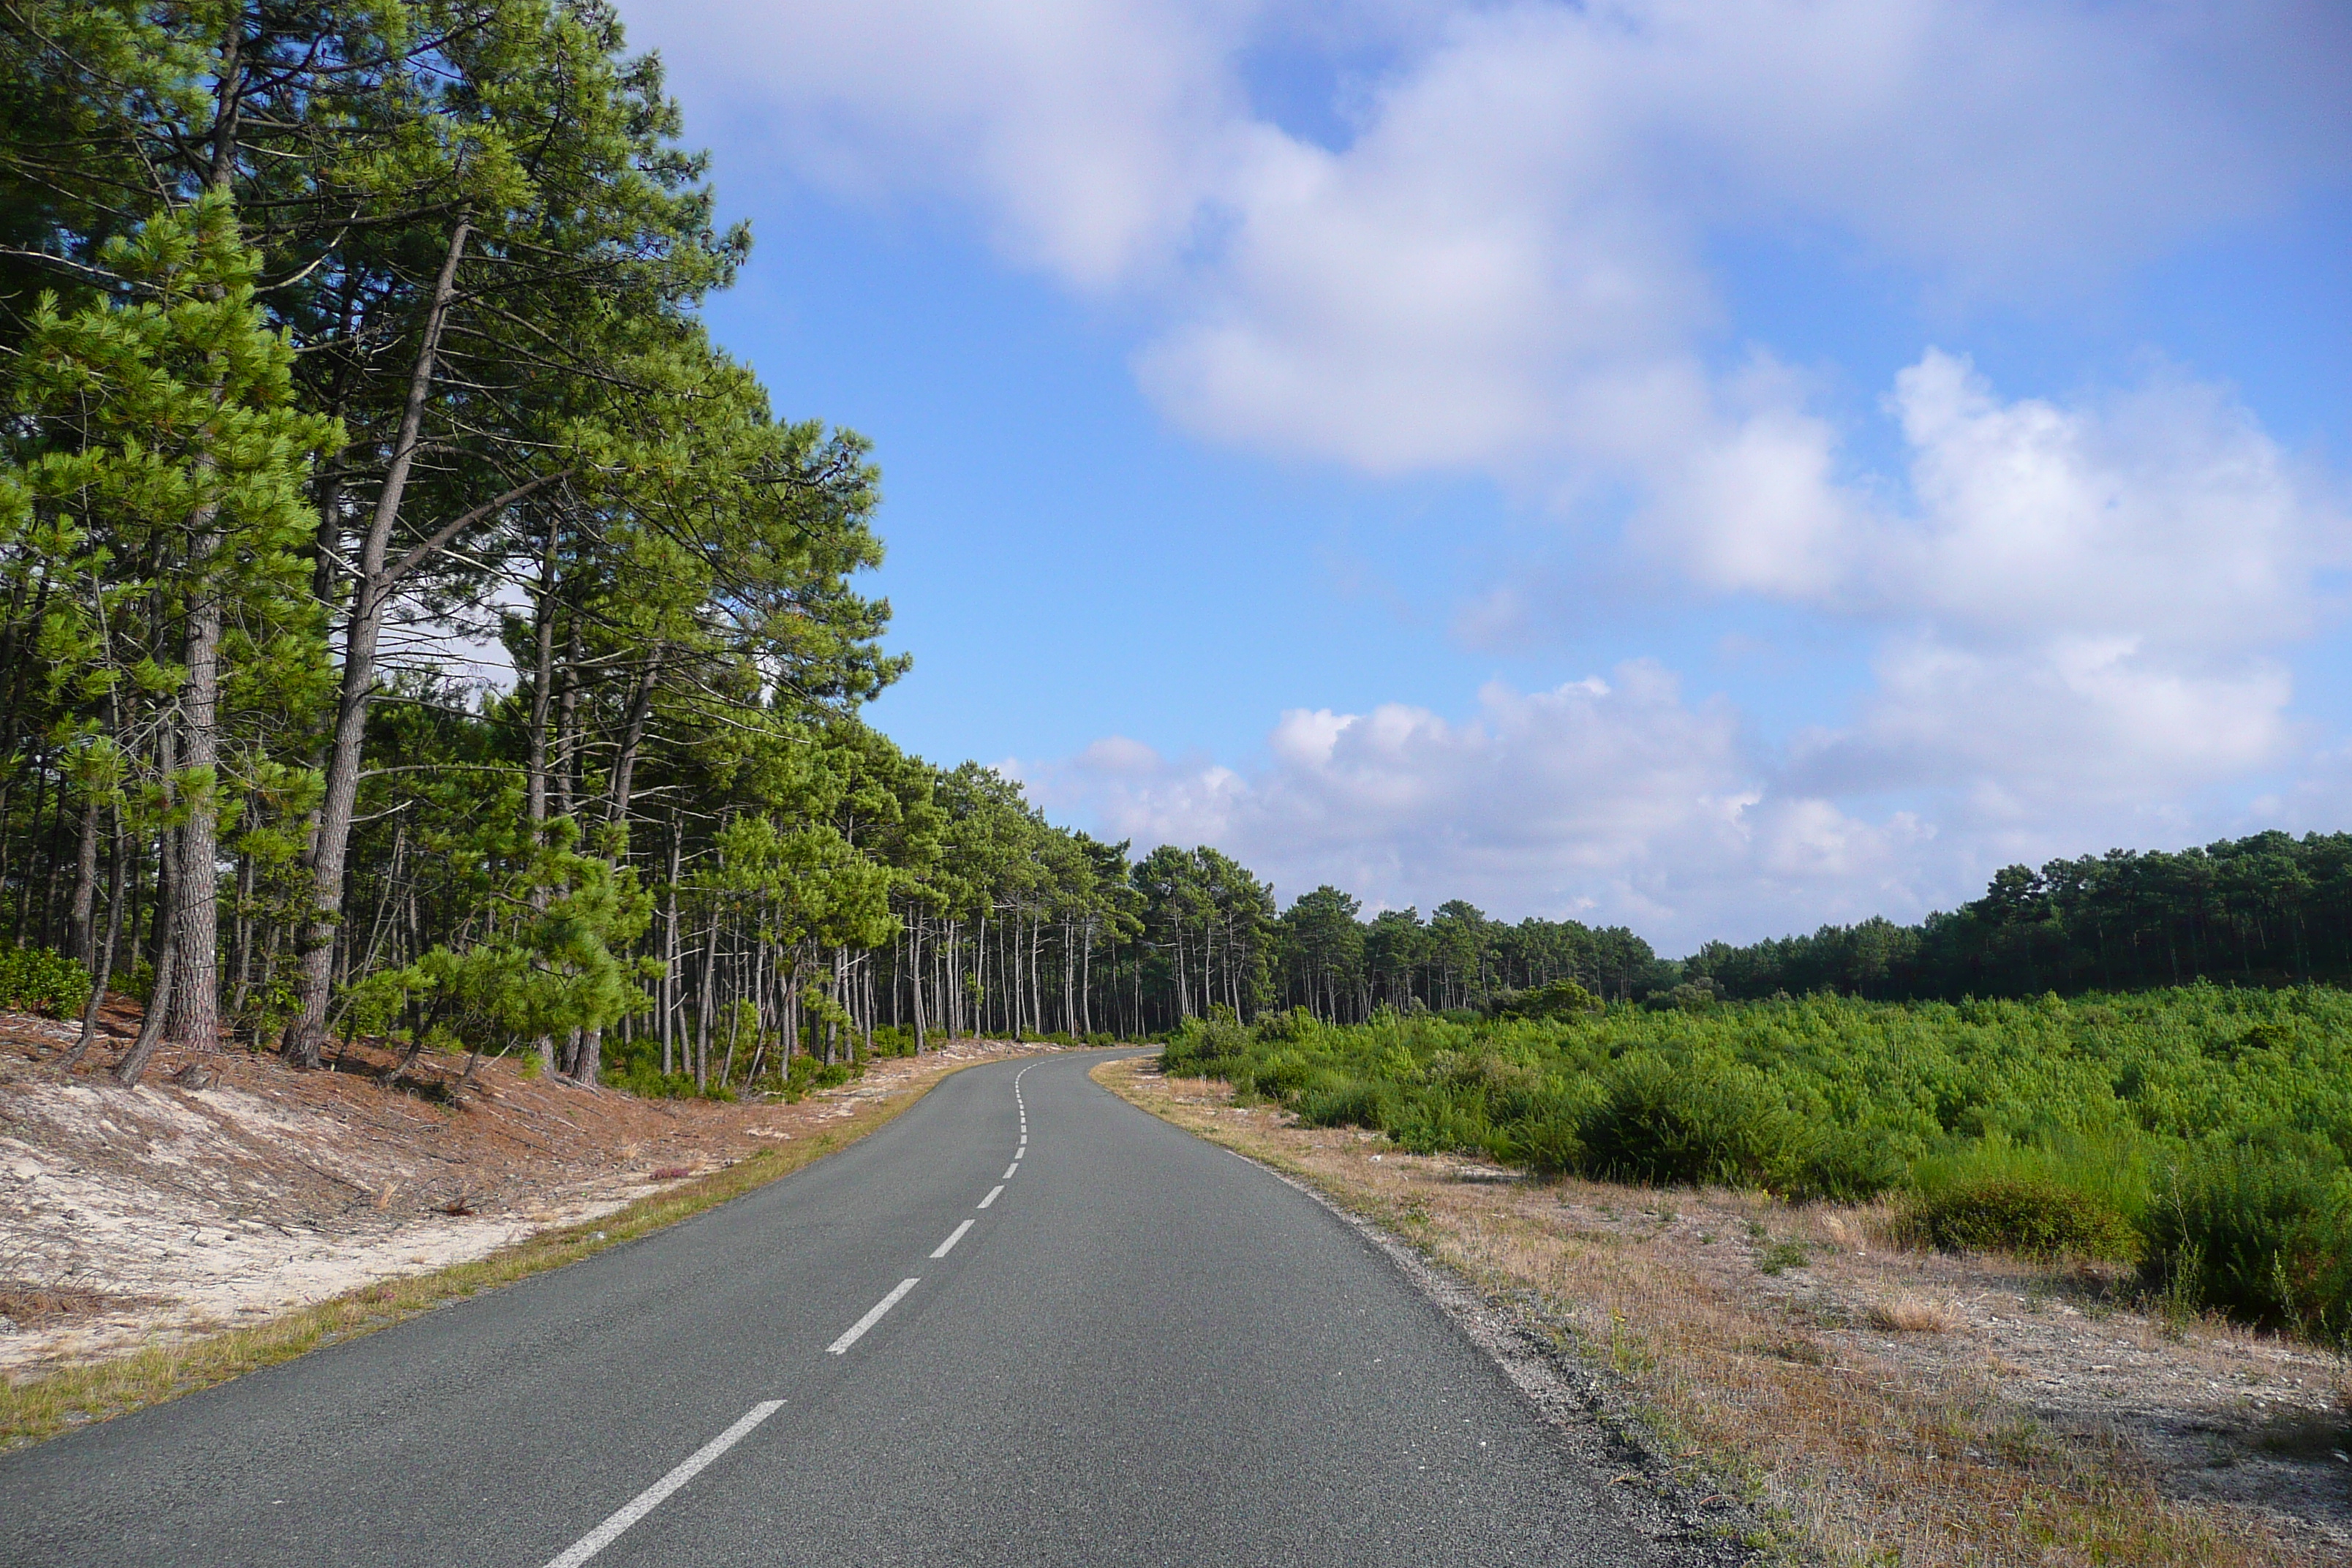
<point>1086,134</point>
<point>1614,800</point>
<point>2090,596</point>
<point>2079,604</point>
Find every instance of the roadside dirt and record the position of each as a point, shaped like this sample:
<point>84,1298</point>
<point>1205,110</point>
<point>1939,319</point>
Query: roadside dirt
<point>131,1216</point>
<point>1895,1405</point>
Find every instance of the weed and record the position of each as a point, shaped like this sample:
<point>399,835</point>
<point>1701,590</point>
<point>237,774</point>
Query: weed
<point>1782,1256</point>
<point>1910,1314</point>
<point>2263,1233</point>
<point>2035,1217</point>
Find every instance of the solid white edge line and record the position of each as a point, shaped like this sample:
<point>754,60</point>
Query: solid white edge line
<point>873,1315</point>
<point>646,1501</point>
<point>948,1245</point>
<point>992,1195</point>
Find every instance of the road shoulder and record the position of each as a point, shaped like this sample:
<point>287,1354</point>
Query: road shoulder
<point>1690,1511</point>
<point>167,1356</point>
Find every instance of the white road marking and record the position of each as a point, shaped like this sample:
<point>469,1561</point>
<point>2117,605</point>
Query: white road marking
<point>1012,1168</point>
<point>646,1501</point>
<point>874,1316</point>
<point>948,1245</point>
<point>992,1195</point>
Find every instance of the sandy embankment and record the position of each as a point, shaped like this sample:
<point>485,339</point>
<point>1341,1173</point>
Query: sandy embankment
<point>126,1215</point>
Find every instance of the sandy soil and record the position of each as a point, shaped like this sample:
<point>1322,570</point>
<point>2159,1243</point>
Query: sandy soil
<point>163,1210</point>
<point>1882,1392</point>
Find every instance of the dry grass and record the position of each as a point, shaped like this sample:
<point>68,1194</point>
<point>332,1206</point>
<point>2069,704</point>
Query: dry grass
<point>28,1304</point>
<point>1908,1314</point>
<point>48,1402</point>
<point>1858,1457</point>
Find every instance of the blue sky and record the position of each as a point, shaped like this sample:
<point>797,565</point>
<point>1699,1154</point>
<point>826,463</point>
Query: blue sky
<point>1714,468</point>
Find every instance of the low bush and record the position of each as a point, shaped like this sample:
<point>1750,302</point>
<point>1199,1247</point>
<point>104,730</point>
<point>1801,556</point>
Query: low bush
<point>1550,1145</point>
<point>1206,1047</point>
<point>1663,1123</point>
<point>1845,1165</point>
<point>806,1075</point>
<point>2262,1231</point>
<point>1339,1101</point>
<point>41,980</point>
<point>1560,999</point>
<point>2034,1216</point>
<point>2034,1124</point>
<point>1277,1077</point>
<point>1298,1023</point>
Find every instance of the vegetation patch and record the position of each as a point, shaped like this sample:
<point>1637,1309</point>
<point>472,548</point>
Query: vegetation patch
<point>2036,1219</point>
<point>40,980</point>
<point>1863,1419</point>
<point>2107,1127</point>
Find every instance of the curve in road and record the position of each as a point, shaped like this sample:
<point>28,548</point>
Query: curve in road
<point>948,1345</point>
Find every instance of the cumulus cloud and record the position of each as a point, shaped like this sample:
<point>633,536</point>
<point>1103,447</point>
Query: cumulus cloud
<point>1615,800</point>
<point>2089,597</point>
<point>1504,266</point>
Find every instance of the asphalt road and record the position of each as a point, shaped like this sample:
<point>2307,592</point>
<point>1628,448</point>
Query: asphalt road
<point>1144,1350</point>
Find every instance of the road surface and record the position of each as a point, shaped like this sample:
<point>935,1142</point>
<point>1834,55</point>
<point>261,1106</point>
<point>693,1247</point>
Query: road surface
<point>1023,1324</point>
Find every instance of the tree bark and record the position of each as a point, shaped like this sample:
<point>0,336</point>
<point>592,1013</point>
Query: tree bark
<point>81,920</point>
<point>133,1064</point>
<point>102,965</point>
<point>363,625</point>
<point>196,994</point>
<point>633,735</point>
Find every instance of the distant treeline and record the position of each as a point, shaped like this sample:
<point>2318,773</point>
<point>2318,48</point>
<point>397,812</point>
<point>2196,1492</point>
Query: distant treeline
<point>2270,910</point>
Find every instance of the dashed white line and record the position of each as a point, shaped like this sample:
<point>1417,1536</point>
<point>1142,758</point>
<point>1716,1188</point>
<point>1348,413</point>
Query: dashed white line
<point>992,1195</point>
<point>1010,1169</point>
<point>646,1501</point>
<point>857,1328</point>
<point>948,1245</point>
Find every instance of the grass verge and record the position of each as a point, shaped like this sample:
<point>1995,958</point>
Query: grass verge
<point>49,1403</point>
<point>1856,1461</point>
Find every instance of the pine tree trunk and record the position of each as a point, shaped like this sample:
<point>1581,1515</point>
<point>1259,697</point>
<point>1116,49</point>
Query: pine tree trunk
<point>102,967</point>
<point>363,627</point>
<point>81,920</point>
<point>127,1072</point>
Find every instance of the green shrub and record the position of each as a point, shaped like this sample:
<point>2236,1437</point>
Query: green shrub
<point>1481,1071</point>
<point>1847,1166</point>
<point>1296,1025</point>
<point>1334,1099</point>
<point>2260,1231</point>
<point>41,980</point>
<point>1666,1124</point>
<point>1549,1145</point>
<point>804,1075</point>
<point>2034,1216</point>
<point>2073,1103</point>
<point>2049,1193</point>
<point>1205,1048</point>
<point>1560,999</point>
<point>1277,1076</point>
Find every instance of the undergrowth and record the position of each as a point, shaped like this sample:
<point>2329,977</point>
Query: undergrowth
<point>2201,1133</point>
